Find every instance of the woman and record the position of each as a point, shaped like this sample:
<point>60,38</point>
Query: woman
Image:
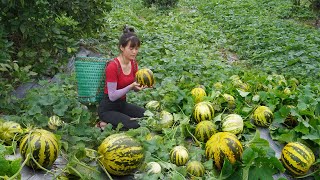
<point>120,79</point>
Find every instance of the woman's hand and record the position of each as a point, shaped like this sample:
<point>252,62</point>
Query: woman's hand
<point>137,87</point>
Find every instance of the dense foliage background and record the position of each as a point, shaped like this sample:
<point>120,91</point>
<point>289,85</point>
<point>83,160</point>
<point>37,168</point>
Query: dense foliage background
<point>273,46</point>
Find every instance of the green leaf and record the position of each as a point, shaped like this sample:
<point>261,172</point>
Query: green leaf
<point>247,109</point>
<point>243,93</point>
<point>259,143</point>
<point>256,98</point>
<point>248,156</point>
<point>46,100</point>
<point>302,128</point>
<point>14,166</point>
<point>9,167</point>
<point>288,137</point>
<point>60,109</point>
<point>292,62</point>
<point>35,110</point>
<point>4,166</point>
<point>227,169</point>
<point>260,172</point>
<point>208,165</point>
<point>314,135</point>
<point>177,176</point>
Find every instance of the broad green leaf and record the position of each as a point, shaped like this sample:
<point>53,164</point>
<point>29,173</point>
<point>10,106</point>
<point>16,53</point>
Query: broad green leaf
<point>260,172</point>
<point>247,109</point>
<point>302,128</point>
<point>35,110</point>
<point>14,166</point>
<point>209,164</point>
<point>288,137</point>
<point>4,166</point>
<point>256,98</point>
<point>176,175</point>
<point>258,142</point>
<point>243,93</point>
<point>314,135</point>
<point>46,100</point>
<point>226,170</point>
<point>248,156</point>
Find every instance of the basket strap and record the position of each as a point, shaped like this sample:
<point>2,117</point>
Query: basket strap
<point>135,68</point>
<point>118,67</point>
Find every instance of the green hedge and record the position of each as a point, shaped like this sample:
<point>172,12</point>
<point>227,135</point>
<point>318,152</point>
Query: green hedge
<point>43,32</point>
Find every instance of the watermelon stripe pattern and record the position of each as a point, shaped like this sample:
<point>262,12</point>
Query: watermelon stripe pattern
<point>297,158</point>
<point>120,154</point>
<point>203,111</point>
<point>263,116</point>
<point>198,94</point>
<point>10,130</point>
<point>232,123</point>
<point>204,130</point>
<point>223,145</point>
<point>179,155</point>
<point>195,168</point>
<point>145,77</point>
<point>43,146</point>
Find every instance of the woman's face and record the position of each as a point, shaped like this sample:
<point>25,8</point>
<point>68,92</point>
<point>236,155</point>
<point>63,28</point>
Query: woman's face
<point>129,52</point>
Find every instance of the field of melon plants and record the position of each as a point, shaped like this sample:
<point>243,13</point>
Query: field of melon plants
<point>256,67</point>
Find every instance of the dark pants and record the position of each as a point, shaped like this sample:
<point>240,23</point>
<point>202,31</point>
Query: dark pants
<point>119,111</point>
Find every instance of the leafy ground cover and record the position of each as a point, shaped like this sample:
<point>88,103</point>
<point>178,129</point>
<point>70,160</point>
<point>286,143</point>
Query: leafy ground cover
<point>206,43</point>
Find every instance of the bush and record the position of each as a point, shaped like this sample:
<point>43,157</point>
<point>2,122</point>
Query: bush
<point>43,32</point>
<point>161,3</point>
<point>315,5</point>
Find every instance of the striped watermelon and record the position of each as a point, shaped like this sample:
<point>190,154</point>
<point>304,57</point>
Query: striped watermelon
<point>195,168</point>
<point>43,145</point>
<point>262,116</point>
<point>145,77</point>
<point>291,121</point>
<point>198,94</point>
<point>203,111</point>
<point>9,131</point>
<point>120,154</point>
<point>223,145</point>
<point>229,101</point>
<point>297,158</point>
<point>179,155</point>
<point>232,123</point>
<point>204,130</point>
<point>54,122</point>
<point>234,78</point>
<point>218,85</point>
<point>153,105</point>
<point>153,168</point>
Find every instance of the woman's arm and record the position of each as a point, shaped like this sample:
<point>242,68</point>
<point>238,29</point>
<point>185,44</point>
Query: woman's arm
<point>115,94</point>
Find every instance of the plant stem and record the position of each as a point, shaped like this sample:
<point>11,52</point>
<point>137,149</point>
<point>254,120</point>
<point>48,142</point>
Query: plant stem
<point>197,141</point>
<point>76,171</point>
<point>41,167</point>
<point>85,166</point>
<point>300,177</point>
<point>22,165</point>
<point>104,169</point>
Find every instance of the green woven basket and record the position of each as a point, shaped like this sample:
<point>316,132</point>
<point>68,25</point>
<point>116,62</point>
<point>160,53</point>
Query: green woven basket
<point>90,76</point>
